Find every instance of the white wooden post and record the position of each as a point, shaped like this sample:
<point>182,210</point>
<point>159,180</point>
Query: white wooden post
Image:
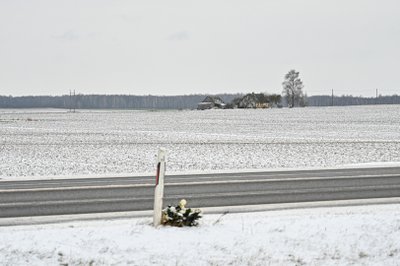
<point>159,188</point>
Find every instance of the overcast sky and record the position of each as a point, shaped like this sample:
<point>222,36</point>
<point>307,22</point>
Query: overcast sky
<point>210,46</point>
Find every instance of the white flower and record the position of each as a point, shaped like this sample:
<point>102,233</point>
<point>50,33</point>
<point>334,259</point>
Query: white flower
<point>182,203</point>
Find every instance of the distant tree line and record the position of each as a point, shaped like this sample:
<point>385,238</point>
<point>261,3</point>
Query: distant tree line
<point>292,93</point>
<point>81,101</point>
<point>325,100</point>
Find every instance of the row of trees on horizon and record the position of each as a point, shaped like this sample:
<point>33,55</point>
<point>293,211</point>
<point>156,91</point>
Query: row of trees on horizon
<point>292,96</point>
<point>81,101</point>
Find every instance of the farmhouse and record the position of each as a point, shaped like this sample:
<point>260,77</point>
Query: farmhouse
<point>211,102</point>
<point>254,100</point>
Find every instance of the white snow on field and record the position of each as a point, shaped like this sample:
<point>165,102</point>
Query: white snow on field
<point>52,142</point>
<point>363,235</point>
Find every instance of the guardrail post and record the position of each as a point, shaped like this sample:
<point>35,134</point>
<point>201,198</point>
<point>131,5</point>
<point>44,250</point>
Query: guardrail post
<point>159,188</point>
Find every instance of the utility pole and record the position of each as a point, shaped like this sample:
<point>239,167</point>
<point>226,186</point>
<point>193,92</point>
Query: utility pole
<point>376,102</point>
<point>332,97</point>
<point>74,101</point>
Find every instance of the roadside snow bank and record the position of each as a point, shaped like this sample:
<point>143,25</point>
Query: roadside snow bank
<point>368,235</point>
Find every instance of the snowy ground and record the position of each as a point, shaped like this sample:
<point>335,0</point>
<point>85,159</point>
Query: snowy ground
<point>54,142</point>
<point>363,235</point>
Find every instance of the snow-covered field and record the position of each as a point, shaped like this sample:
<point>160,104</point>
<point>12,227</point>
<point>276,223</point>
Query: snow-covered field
<point>51,142</point>
<point>362,235</point>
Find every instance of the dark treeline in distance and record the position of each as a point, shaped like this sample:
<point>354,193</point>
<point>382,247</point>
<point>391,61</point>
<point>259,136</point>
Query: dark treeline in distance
<point>81,101</point>
<point>351,100</point>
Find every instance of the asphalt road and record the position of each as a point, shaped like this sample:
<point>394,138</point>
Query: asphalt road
<point>116,194</point>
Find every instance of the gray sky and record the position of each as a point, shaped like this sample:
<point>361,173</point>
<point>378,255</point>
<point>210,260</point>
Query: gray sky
<point>208,46</point>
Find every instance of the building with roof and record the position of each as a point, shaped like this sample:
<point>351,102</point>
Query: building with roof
<point>254,100</point>
<point>211,102</point>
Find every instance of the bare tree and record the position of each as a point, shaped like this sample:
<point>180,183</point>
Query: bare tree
<point>292,88</point>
